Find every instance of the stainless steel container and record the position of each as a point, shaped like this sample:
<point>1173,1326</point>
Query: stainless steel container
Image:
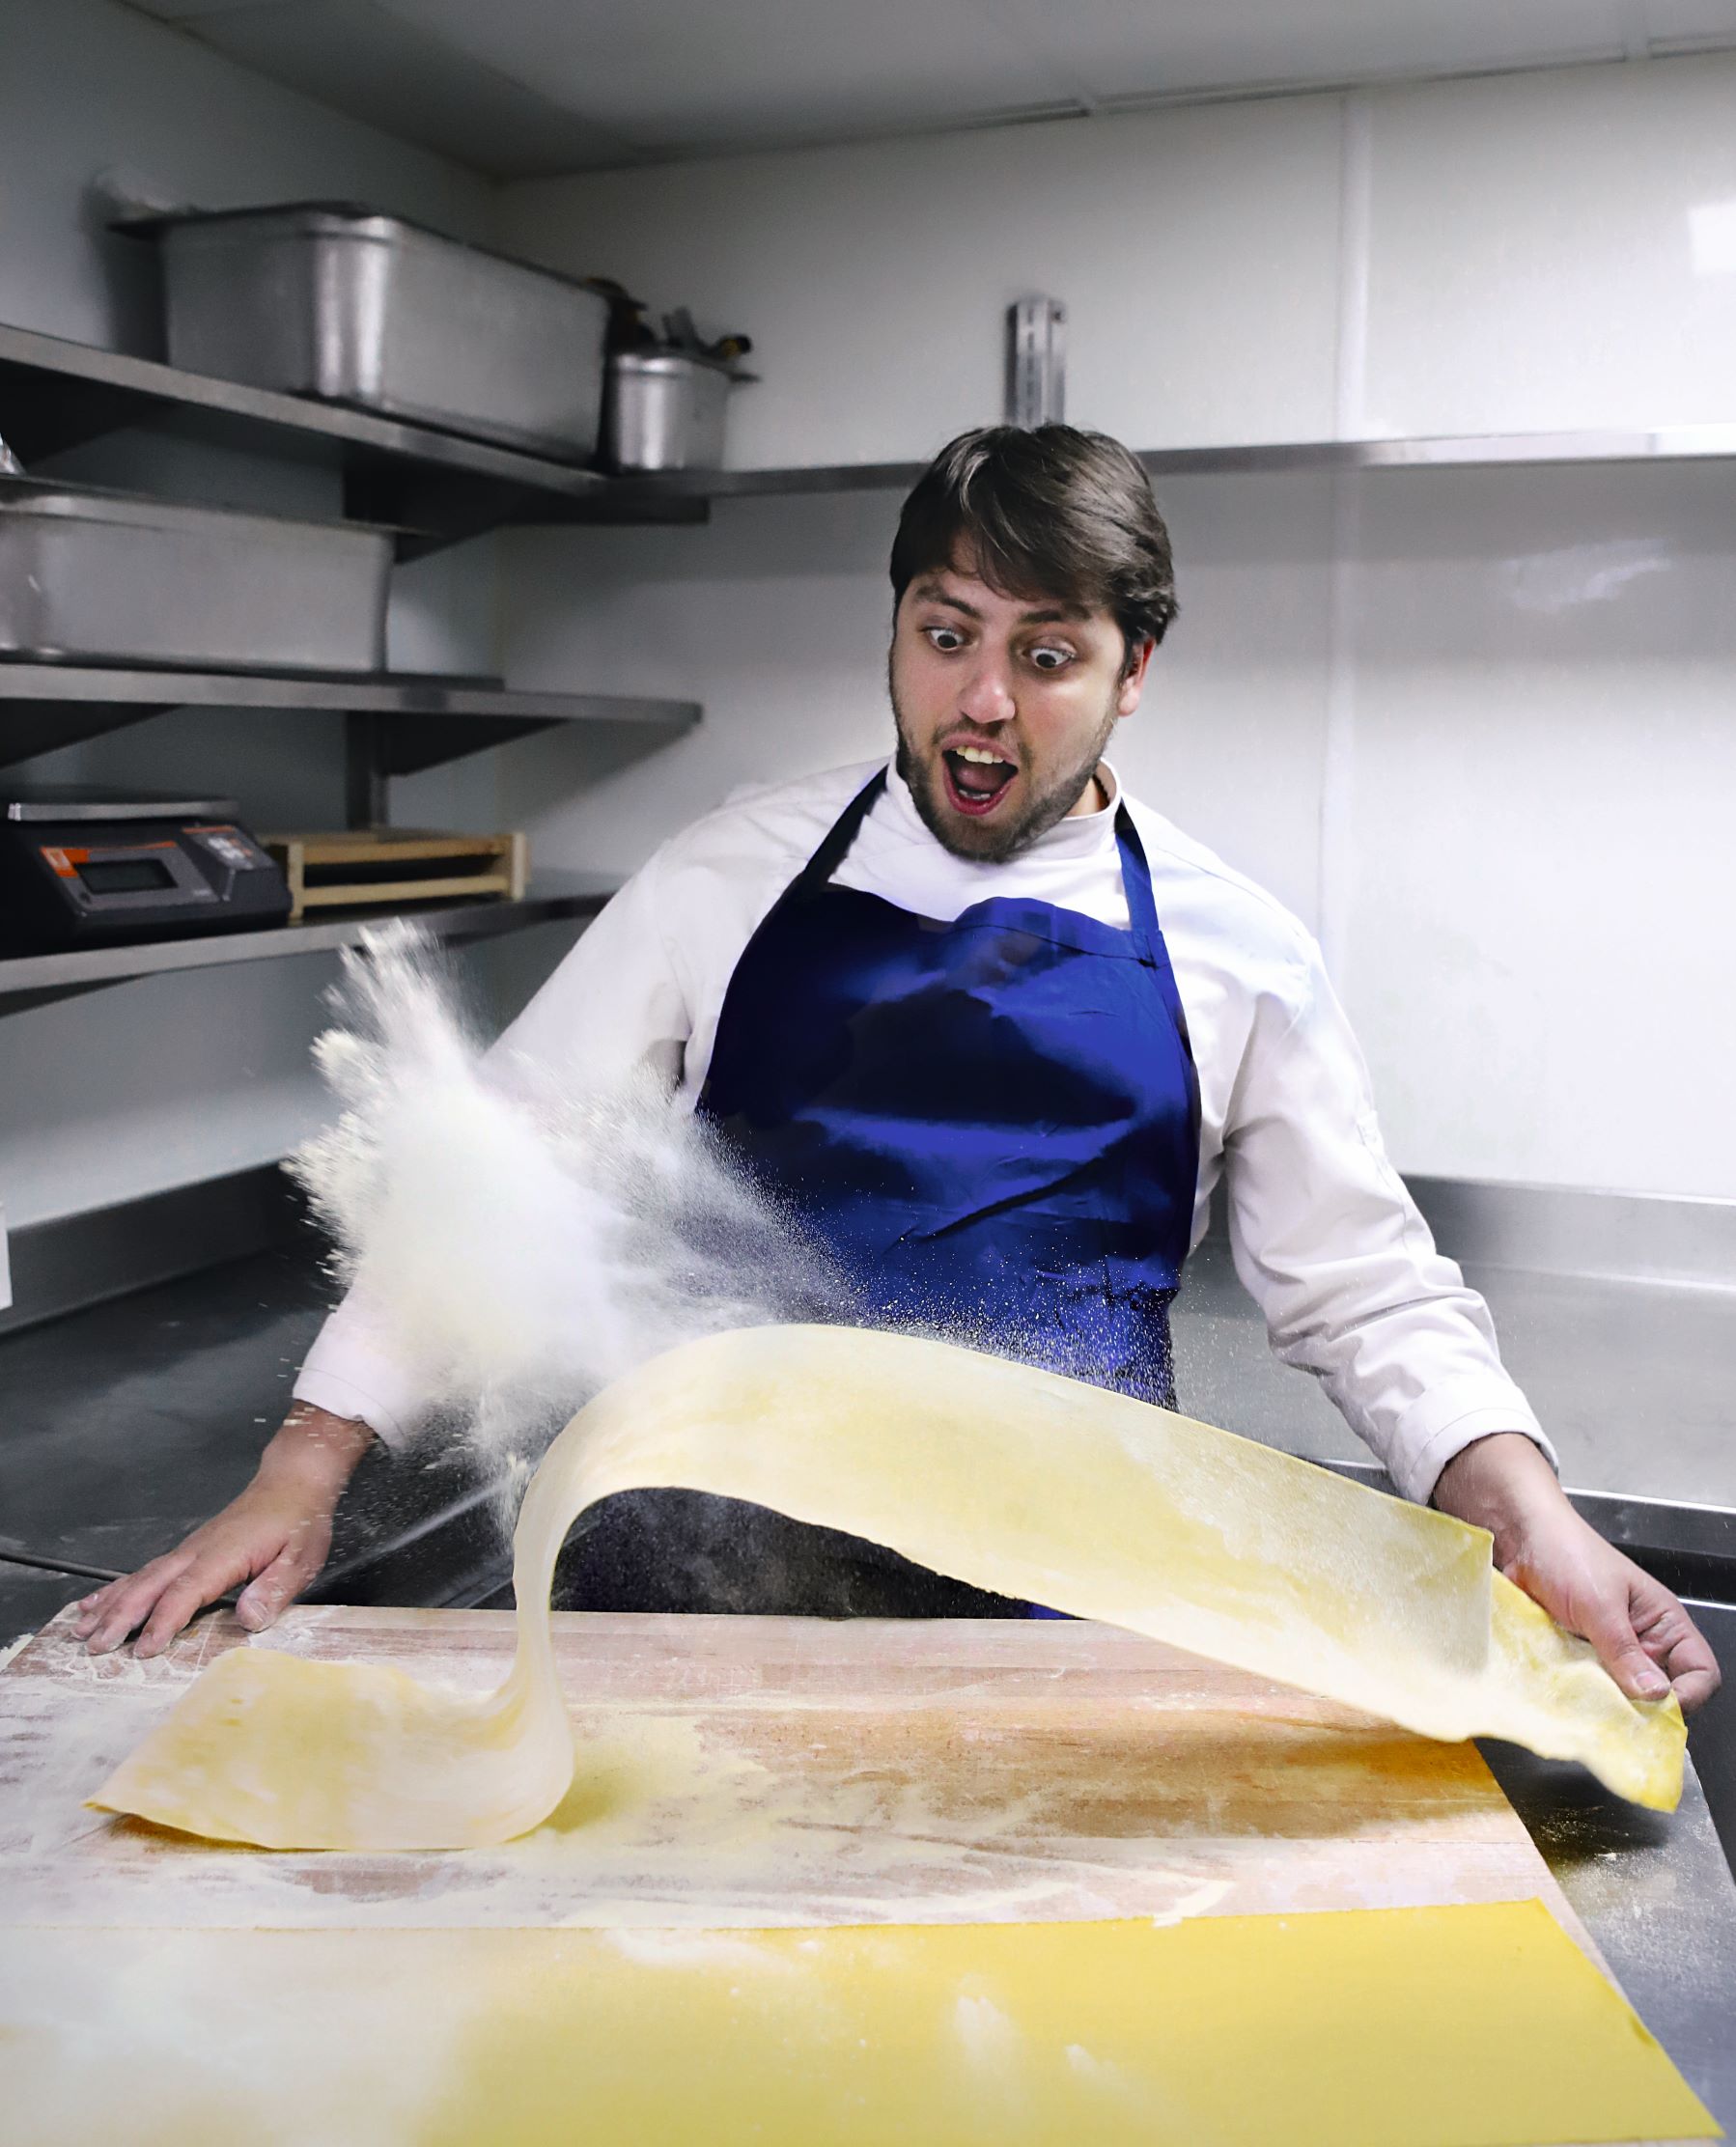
<point>666,410</point>
<point>105,577</point>
<point>369,310</point>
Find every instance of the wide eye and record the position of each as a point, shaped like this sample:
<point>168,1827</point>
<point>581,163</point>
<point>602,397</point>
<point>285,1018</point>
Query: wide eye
<point>1051,657</point>
<point>945,638</point>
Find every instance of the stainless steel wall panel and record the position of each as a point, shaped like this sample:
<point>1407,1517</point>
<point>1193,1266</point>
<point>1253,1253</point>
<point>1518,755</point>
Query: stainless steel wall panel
<point>1566,1230</point>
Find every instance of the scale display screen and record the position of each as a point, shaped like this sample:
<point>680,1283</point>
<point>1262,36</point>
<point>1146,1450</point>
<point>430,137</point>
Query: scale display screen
<point>124,870</point>
<point>124,876</point>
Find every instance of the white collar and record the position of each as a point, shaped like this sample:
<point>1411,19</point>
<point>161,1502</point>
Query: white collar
<point>1082,835</point>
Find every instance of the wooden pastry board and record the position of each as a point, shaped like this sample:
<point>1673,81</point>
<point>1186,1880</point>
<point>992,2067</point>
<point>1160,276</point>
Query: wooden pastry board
<point>748,1771</point>
<point>733,1772</point>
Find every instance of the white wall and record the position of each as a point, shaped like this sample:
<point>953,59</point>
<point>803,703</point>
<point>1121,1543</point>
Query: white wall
<point>1479,728</point>
<point>776,617</point>
<point>872,279</point>
<point>173,1080</point>
<point>1538,948</point>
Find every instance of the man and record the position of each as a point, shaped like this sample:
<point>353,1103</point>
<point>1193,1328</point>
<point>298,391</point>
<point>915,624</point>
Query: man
<point>991,1030</point>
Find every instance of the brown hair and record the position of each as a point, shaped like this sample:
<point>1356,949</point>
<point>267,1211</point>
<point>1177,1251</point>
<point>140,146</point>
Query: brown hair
<point>1050,512</point>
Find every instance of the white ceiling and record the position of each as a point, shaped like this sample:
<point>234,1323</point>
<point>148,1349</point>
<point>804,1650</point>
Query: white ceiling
<point>519,88</point>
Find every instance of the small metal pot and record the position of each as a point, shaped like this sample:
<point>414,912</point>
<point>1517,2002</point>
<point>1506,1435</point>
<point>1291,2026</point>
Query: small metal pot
<point>665,410</point>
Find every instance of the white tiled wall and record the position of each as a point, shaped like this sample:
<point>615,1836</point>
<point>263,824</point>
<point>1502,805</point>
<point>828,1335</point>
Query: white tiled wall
<point>1539,954</point>
<point>1478,728</point>
<point>1554,251</point>
<point>776,615</point>
<point>89,91</point>
<point>1196,251</point>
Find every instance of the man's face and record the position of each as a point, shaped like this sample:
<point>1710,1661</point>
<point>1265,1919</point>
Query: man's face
<point>1004,706</point>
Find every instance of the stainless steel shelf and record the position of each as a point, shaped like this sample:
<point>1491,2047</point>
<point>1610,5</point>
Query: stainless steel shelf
<point>1677,444</point>
<point>435,486</point>
<point>416,720</point>
<point>438,487</point>
<point>58,394</point>
<point>32,980</point>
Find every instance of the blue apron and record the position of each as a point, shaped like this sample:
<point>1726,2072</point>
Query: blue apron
<point>991,1126</point>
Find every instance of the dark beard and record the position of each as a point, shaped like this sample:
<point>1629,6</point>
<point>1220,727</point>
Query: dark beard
<point>996,842</point>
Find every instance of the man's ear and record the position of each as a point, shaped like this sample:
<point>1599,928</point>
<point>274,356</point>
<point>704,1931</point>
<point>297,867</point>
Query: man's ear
<point>1132,677</point>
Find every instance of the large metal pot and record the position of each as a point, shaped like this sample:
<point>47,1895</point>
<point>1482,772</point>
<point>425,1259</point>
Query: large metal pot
<point>334,301</point>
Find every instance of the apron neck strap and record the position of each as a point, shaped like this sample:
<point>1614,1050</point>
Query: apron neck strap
<point>844,830</point>
<point>1135,872</point>
<point>1135,881</point>
<point>1148,937</point>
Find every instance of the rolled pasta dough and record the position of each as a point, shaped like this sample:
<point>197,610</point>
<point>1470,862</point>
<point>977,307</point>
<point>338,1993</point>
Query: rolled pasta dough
<point>1012,1479</point>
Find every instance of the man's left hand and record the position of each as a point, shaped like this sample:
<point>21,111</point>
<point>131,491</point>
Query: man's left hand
<point>1644,1638</point>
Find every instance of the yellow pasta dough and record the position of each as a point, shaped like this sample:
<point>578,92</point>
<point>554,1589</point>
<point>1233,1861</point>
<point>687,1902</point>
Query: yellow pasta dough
<point>1012,1479</point>
<point>1470,2026</point>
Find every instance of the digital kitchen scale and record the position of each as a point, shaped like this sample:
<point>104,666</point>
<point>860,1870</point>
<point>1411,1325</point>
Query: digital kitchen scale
<point>89,868</point>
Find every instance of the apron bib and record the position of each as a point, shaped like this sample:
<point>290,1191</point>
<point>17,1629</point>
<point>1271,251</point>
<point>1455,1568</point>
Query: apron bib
<point>989,1126</point>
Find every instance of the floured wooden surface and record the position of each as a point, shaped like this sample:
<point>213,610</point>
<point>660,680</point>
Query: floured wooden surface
<point>753,1773</point>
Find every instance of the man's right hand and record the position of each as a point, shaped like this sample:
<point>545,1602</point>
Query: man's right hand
<point>274,1537</point>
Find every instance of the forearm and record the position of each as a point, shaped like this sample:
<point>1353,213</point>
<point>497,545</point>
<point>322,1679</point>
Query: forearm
<point>1502,1483</point>
<point>316,1451</point>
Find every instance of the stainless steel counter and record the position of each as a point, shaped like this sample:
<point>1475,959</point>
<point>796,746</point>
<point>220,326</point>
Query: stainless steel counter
<point>1657,1895</point>
<point>128,1422</point>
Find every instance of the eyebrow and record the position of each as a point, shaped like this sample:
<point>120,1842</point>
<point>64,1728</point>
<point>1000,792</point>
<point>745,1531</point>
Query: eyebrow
<point>929,591</point>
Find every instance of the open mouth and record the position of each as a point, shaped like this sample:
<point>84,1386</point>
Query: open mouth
<point>976,780</point>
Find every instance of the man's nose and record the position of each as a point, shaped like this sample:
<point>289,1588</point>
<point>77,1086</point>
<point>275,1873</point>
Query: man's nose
<point>987,696</point>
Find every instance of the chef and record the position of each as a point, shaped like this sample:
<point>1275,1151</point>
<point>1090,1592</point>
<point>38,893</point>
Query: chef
<point>990,1030</point>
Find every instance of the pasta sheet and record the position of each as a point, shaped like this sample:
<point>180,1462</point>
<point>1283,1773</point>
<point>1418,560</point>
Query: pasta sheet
<point>1467,2027</point>
<point>1012,1479</point>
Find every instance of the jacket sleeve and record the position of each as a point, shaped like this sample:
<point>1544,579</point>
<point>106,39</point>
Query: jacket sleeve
<point>1330,1245</point>
<point>615,1003</point>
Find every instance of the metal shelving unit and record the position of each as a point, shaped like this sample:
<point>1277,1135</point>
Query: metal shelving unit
<point>438,487</point>
<point>35,980</point>
<point>434,487</point>
<point>395,725</point>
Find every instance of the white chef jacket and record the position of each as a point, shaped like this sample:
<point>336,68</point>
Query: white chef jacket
<point>1324,1234</point>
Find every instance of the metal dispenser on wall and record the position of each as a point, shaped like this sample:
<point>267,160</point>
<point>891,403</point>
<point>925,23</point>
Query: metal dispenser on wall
<point>1036,362</point>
